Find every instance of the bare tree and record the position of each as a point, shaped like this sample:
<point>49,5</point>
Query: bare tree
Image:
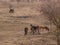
<point>51,9</point>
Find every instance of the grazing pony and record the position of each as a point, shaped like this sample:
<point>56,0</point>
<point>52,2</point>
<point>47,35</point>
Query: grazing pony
<point>44,27</point>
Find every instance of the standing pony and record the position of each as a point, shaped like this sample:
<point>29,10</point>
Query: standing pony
<point>34,29</point>
<point>11,11</point>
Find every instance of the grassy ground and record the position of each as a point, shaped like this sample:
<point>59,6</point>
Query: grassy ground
<point>12,28</point>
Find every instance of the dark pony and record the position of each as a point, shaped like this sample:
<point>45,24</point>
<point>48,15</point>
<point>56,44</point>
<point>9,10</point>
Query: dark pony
<point>11,11</point>
<point>34,29</point>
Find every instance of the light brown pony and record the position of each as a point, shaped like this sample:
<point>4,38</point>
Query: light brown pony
<point>44,27</point>
<point>41,28</point>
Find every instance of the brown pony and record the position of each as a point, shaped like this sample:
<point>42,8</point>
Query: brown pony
<point>37,28</point>
<point>44,27</point>
<point>11,11</point>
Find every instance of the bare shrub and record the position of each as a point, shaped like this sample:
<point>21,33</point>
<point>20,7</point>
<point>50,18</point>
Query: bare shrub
<point>51,10</point>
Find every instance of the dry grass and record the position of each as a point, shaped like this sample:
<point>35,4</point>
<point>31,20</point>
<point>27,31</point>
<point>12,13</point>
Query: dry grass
<point>11,29</point>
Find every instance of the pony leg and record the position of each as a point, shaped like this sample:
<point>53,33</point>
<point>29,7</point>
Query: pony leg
<point>33,32</point>
<point>38,31</point>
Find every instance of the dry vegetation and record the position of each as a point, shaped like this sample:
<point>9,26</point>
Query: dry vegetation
<point>12,27</point>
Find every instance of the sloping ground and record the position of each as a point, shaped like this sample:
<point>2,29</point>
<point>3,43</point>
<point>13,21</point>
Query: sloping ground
<point>12,27</point>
